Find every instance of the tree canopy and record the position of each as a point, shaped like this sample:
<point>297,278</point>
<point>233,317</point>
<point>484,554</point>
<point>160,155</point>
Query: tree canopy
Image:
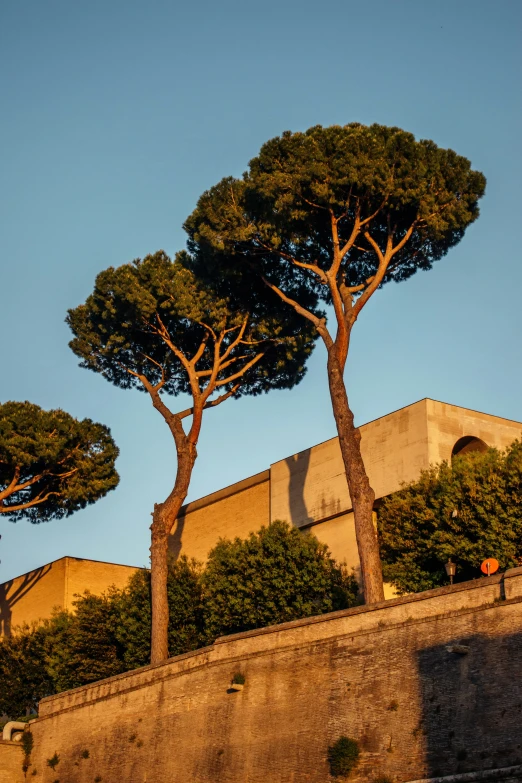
<point>346,209</point>
<point>152,323</point>
<point>52,464</point>
<point>329,216</point>
<point>467,511</point>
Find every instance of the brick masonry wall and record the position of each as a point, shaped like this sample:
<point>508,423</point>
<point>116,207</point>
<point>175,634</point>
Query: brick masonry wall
<point>11,758</point>
<point>383,675</point>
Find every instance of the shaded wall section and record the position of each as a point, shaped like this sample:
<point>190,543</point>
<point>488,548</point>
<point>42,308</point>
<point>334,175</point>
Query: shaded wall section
<point>369,673</point>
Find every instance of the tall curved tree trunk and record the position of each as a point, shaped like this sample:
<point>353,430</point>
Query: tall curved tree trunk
<point>163,518</point>
<point>361,493</point>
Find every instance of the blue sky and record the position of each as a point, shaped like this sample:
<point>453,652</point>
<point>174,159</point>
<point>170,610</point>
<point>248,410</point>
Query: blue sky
<point>116,115</point>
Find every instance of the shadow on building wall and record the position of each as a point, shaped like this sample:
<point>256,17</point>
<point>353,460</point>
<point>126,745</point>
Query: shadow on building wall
<point>13,591</point>
<point>471,704</point>
<point>176,535</point>
<point>298,465</point>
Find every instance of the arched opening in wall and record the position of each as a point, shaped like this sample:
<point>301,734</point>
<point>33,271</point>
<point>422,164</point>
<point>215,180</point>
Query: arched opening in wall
<point>468,444</point>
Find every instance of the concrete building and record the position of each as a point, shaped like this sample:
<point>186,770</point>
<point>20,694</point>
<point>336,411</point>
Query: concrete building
<point>307,489</point>
<point>33,596</point>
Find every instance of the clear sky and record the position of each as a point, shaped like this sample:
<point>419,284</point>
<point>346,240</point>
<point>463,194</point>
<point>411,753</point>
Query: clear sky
<point>116,114</point>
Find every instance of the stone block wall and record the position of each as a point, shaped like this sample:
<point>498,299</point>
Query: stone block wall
<point>11,759</point>
<point>429,685</point>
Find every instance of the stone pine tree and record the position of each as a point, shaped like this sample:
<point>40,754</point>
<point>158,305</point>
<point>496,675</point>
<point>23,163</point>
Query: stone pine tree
<point>337,212</point>
<point>150,325</point>
<point>52,464</point>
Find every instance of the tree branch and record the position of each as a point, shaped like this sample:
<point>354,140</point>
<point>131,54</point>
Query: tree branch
<point>10,488</point>
<point>243,370</point>
<point>212,403</point>
<point>36,502</point>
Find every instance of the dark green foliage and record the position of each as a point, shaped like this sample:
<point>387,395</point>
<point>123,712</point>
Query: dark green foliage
<point>138,311</point>
<point>23,674</point>
<point>419,532</point>
<point>275,575</point>
<point>281,211</point>
<point>53,761</point>
<point>88,649</point>
<point>185,613</point>
<point>27,742</point>
<point>238,679</point>
<point>343,756</point>
<point>52,464</point>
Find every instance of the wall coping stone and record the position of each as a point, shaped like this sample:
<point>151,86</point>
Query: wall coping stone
<point>363,609</point>
<point>472,777</point>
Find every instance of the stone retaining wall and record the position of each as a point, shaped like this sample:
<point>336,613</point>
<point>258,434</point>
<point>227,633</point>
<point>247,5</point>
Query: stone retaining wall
<point>429,685</point>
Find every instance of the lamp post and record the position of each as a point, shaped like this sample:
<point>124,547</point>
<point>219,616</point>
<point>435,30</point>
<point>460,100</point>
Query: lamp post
<point>450,570</point>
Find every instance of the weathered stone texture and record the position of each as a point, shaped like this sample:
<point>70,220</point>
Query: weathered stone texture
<point>381,674</point>
<point>11,759</point>
<point>33,596</point>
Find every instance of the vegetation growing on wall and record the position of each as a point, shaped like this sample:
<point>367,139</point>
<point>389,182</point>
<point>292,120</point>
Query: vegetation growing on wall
<point>343,756</point>
<point>275,575</point>
<point>467,511</point>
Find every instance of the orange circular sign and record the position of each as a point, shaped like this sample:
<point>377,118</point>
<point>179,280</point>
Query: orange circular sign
<point>489,566</point>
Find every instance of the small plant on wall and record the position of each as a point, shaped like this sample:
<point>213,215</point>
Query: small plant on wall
<point>343,756</point>
<point>238,681</point>
<point>53,761</point>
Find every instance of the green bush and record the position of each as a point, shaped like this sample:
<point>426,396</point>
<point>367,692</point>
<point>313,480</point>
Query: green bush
<point>419,530</point>
<point>186,630</point>
<point>275,575</point>
<point>343,756</point>
<point>23,671</point>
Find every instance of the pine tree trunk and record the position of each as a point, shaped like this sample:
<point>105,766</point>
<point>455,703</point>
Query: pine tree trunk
<point>163,518</point>
<point>361,493</point>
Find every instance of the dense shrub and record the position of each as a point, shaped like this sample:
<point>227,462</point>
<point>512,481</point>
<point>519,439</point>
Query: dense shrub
<point>343,756</point>
<point>466,511</point>
<point>185,609</point>
<point>24,676</point>
<point>275,575</point>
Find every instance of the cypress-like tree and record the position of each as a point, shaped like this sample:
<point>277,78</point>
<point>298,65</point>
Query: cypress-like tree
<point>330,216</point>
<point>152,326</point>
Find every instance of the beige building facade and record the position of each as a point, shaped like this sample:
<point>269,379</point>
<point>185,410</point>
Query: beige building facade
<point>33,596</point>
<point>309,489</point>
